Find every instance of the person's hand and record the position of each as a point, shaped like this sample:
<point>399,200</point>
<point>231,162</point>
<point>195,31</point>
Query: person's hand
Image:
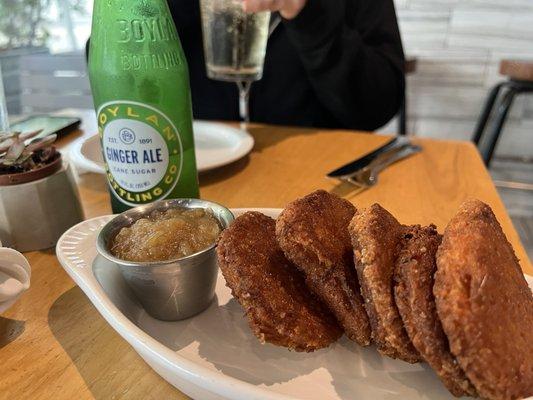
<point>287,8</point>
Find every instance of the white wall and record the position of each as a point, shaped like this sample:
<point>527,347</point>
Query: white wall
<point>459,44</point>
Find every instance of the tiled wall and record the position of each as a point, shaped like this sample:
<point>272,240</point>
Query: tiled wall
<point>459,44</point>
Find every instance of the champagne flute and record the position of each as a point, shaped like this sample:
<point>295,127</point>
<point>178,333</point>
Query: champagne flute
<point>234,45</point>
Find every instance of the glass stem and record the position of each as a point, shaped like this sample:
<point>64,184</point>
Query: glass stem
<point>244,99</point>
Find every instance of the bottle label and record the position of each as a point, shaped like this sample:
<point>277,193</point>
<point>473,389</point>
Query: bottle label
<point>142,151</point>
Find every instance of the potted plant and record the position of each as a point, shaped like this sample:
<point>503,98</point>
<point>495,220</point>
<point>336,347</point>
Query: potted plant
<point>38,194</point>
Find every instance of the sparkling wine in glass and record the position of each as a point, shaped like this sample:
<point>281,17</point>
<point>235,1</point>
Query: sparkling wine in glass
<point>234,45</point>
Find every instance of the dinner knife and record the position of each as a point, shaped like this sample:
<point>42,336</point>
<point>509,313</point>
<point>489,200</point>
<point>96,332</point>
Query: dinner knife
<point>362,162</point>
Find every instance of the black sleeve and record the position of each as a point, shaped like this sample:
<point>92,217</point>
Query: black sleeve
<point>352,53</point>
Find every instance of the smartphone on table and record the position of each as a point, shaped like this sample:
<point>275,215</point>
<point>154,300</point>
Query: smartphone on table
<point>48,123</point>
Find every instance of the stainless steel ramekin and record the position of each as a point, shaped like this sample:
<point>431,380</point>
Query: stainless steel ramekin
<point>175,289</point>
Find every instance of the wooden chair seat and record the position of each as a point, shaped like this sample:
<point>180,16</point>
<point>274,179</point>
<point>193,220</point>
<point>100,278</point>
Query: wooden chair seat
<point>520,70</point>
<point>410,65</point>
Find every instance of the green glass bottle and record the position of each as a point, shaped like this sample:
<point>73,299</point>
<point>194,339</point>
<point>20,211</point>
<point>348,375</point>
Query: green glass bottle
<point>140,84</point>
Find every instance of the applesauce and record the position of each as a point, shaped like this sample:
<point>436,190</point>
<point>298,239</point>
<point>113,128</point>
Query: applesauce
<point>166,235</point>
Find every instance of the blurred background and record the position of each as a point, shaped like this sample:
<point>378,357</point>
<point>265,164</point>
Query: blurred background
<point>41,39</point>
<point>457,44</point>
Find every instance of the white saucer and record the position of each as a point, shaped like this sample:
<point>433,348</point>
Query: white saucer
<point>216,145</point>
<point>214,355</point>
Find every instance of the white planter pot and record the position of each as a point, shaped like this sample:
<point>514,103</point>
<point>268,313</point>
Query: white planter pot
<point>34,215</point>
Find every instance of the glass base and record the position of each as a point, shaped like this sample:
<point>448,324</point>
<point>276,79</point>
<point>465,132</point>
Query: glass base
<point>222,74</point>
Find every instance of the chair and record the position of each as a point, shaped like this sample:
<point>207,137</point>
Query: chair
<point>519,80</point>
<point>409,68</point>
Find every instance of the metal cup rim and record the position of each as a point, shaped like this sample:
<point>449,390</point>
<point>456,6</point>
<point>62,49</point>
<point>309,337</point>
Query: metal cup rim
<point>130,216</point>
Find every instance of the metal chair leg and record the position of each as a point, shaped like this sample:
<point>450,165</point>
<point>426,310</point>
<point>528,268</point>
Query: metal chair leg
<point>487,110</point>
<point>402,118</point>
<point>503,110</point>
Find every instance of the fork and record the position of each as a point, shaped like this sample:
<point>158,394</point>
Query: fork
<point>368,176</point>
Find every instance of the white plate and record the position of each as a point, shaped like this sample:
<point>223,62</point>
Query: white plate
<point>215,356</point>
<point>216,145</point>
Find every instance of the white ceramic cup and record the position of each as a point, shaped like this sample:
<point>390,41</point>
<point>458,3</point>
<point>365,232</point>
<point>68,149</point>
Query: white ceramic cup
<point>15,273</point>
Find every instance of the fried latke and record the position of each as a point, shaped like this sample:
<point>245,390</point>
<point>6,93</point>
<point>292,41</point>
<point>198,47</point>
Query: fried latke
<point>376,236</point>
<point>280,308</point>
<point>413,292</point>
<point>313,233</point>
<point>485,304</point>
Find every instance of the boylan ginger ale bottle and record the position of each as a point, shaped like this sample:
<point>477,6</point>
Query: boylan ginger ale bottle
<point>140,85</point>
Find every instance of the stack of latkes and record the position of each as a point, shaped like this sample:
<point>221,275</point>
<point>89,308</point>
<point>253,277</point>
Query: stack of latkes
<point>458,301</point>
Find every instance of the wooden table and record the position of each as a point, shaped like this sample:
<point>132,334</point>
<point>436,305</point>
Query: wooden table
<point>55,345</point>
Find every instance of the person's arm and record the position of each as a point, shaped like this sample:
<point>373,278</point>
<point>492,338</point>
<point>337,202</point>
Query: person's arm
<point>352,52</point>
